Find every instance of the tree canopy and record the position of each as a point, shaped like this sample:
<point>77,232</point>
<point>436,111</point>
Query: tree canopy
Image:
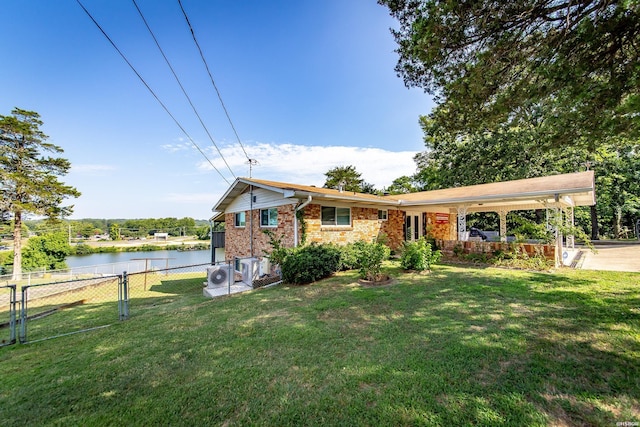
<point>28,177</point>
<point>570,66</point>
<point>345,177</point>
<point>514,153</point>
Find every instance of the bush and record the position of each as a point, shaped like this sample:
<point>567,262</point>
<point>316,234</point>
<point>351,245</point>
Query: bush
<point>419,255</point>
<point>310,263</point>
<point>370,258</point>
<point>278,251</point>
<point>350,254</point>
<point>82,249</point>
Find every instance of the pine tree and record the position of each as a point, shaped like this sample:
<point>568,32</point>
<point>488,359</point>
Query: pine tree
<point>28,177</point>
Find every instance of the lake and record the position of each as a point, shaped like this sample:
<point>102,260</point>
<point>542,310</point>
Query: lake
<point>117,262</point>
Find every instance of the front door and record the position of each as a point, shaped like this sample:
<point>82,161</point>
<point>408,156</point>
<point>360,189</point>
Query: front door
<point>415,225</point>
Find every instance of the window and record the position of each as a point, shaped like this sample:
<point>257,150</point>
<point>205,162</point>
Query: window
<point>269,217</point>
<point>382,214</point>
<point>241,219</point>
<point>336,216</point>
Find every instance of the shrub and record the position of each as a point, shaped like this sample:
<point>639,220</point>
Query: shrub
<point>278,251</point>
<point>310,263</point>
<point>370,258</point>
<point>349,255</point>
<point>82,249</point>
<point>419,255</point>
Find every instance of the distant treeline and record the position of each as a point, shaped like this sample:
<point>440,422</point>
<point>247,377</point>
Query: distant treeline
<point>117,229</point>
<point>84,249</point>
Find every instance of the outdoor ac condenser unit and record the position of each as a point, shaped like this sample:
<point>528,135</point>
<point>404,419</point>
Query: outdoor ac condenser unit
<point>219,275</point>
<point>250,269</point>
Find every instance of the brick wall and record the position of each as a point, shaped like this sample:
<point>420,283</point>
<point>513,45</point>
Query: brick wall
<point>440,231</point>
<point>365,225</point>
<point>238,239</point>
<point>473,247</point>
<point>393,227</point>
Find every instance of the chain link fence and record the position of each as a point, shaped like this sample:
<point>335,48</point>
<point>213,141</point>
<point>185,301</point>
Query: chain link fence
<point>155,287</point>
<point>50,310</point>
<point>76,273</point>
<point>39,308</point>
<point>8,314</point>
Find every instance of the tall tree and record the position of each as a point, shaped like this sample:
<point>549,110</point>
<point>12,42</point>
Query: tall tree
<point>571,65</point>
<point>402,185</point>
<point>514,153</point>
<point>345,177</point>
<point>29,178</point>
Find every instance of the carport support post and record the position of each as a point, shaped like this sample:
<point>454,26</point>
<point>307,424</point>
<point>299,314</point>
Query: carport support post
<point>503,224</point>
<point>558,223</point>
<point>569,224</point>
<point>462,223</point>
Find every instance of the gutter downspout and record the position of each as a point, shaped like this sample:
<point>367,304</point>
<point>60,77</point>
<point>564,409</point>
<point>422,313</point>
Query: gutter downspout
<point>251,219</point>
<point>213,249</point>
<point>295,220</point>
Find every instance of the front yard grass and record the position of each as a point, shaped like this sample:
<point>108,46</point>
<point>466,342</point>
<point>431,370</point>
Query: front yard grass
<point>459,346</point>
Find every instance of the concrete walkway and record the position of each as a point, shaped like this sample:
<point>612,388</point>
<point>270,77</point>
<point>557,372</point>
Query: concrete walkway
<point>612,256</point>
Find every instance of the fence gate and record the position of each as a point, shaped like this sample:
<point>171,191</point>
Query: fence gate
<point>50,310</point>
<point>8,307</point>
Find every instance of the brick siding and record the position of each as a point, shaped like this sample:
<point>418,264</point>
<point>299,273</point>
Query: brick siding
<point>365,225</point>
<point>238,239</point>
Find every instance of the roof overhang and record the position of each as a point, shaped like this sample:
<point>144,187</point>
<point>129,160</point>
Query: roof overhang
<point>566,190</point>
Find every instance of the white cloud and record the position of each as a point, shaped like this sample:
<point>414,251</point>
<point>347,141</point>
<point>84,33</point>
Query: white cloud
<point>174,148</point>
<point>307,164</point>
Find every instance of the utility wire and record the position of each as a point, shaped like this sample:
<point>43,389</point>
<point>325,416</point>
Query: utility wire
<point>181,87</point>
<point>193,35</point>
<point>150,90</point>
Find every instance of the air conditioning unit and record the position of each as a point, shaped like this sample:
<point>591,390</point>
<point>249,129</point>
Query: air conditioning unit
<point>265,266</point>
<point>219,275</point>
<point>250,270</point>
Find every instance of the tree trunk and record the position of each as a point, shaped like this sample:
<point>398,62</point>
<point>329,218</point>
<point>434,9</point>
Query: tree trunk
<point>17,246</point>
<point>617,222</point>
<point>594,223</point>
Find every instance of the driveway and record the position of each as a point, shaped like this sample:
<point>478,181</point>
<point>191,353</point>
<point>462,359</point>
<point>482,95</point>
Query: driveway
<point>612,256</point>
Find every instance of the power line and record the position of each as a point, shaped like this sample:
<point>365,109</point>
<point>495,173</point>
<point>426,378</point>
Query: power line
<point>193,35</point>
<point>181,86</point>
<point>150,90</point>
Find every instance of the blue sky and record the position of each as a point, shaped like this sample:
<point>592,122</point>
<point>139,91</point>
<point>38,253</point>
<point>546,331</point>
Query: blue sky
<point>309,85</point>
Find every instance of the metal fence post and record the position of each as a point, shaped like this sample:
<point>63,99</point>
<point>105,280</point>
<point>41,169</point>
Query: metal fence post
<point>12,314</point>
<point>120,299</point>
<point>23,315</point>
<point>125,296</point>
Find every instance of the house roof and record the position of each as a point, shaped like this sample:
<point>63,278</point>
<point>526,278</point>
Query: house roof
<point>574,189</point>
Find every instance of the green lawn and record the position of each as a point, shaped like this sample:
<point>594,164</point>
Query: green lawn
<point>457,347</point>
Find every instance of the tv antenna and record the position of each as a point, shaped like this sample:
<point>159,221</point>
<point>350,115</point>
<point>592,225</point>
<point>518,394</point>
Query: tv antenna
<point>252,163</point>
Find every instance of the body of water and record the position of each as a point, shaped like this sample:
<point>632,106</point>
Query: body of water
<point>137,261</point>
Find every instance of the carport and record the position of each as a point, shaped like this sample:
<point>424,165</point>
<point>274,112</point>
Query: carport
<point>558,195</point>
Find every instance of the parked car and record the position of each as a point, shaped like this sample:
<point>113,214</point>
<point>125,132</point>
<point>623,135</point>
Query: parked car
<point>474,232</point>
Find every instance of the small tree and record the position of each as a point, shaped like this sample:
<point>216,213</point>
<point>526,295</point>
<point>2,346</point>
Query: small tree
<point>278,251</point>
<point>419,255</point>
<point>29,179</point>
<point>370,257</point>
<point>114,232</point>
<point>49,251</point>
